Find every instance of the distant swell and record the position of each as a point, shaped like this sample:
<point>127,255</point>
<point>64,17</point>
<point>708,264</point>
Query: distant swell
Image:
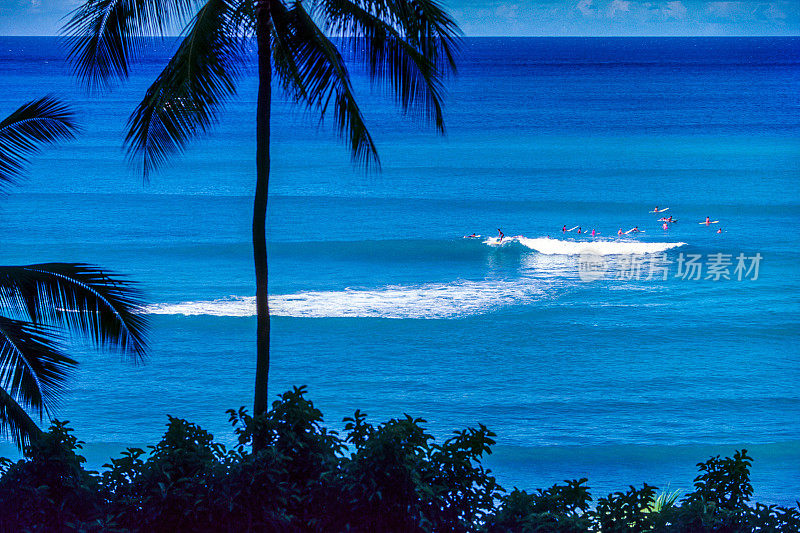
<point>429,301</point>
<point>548,246</point>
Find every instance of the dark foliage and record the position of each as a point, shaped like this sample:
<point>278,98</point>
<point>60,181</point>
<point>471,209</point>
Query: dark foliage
<point>50,490</point>
<point>561,508</point>
<point>392,477</point>
<point>626,511</point>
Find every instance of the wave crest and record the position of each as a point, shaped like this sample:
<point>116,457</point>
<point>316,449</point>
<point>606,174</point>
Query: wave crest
<point>548,246</point>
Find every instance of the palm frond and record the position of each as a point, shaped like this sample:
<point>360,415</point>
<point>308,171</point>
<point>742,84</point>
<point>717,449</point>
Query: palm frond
<point>81,298</point>
<point>243,18</point>
<point>427,26</point>
<point>187,94</point>
<point>15,422</point>
<point>105,36</point>
<point>409,43</point>
<point>41,121</point>
<point>311,68</point>
<point>32,368</point>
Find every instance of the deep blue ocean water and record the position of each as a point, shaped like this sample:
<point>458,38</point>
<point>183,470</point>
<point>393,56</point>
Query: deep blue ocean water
<point>380,303</point>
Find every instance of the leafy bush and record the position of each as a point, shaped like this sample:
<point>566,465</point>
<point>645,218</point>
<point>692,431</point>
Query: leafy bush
<point>626,511</point>
<point>561,508</point>
<point>388,477</point>
<point>49,490</point>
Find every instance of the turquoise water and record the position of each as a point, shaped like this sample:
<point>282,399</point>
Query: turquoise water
<point>381,305</point>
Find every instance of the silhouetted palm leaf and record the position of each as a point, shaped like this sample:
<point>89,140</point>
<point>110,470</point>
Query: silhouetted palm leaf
<point>41,121</point>
<point>311,67</point>
<point>32,372</point>
<point>409,44</point>
<point>39,302</point>
<point>15,422</point>
<point>78,298</point>
<point>105,36</point>
<point>185,96</point>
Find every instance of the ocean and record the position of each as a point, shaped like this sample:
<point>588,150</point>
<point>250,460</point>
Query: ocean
<point>622,359</point>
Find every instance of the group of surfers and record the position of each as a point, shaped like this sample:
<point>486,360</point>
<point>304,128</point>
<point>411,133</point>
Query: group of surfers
<point>594,232</point>
<point>669,220</point>
<point>666,222</point>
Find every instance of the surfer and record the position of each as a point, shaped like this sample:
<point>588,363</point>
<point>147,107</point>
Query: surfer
<point>500,235</point>
<point>473,236</point>
<point>579,230</point>
<point>564,229</point>
<point>619,232</point>
<point>634,229</point>
<point>670,219</point>
<point>719,230</point>
<point>708,221</point>
<point>593,232</point>
<point>665,226</point>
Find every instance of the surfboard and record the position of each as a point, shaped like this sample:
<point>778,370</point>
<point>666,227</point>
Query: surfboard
<point>660,210</point>
<point>712,222</point>
<point>576,227</point>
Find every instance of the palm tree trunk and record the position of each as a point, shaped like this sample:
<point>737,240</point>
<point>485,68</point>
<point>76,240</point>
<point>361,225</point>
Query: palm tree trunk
<point>263,32</point>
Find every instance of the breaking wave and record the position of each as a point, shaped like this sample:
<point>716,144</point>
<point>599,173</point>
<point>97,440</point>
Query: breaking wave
<point>429,301</point>
<point>548,246</point>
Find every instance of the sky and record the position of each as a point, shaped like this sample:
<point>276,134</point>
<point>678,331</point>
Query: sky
<point>531,17</point>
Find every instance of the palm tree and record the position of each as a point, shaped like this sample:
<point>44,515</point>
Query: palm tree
<point>41,302</point>
<point>408,44</point>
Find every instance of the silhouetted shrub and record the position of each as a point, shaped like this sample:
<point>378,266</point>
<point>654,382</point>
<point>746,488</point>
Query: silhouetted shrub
<point>49,490</point>
<point>626,511</point>
<point>393,477</point>
<point>561,508</point>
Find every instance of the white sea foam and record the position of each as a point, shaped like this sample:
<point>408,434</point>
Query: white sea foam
<point>546,245</point>
<point>431,301</point>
